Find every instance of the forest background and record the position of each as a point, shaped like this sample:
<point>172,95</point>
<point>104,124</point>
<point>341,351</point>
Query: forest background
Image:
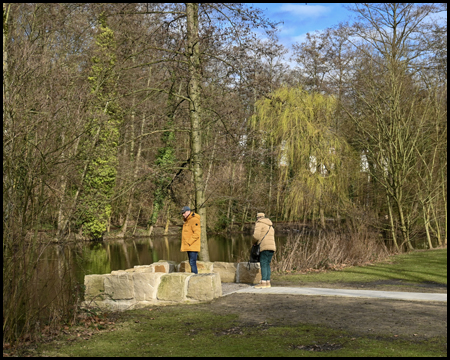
<point>117,115</point>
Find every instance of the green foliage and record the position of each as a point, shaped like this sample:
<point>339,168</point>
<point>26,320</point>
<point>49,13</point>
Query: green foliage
<point>100,146</point>
<point>313,160</point>
<point>104,60</point>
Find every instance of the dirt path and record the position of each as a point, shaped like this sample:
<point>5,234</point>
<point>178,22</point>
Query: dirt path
<point>360,316</point>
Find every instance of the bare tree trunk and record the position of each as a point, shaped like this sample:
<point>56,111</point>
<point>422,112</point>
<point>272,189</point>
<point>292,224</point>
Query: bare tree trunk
<point>322,215</point>
<point>437,231</point>
<point>150,230</point>
<point>135,173</point>
<point>321,209</point>
<point>244,216</point>
<point>230,200</point>
<point>246,207</point>
<point>270,181</point>
<point>166,229</point>
<point>403,225</point>
<point>6,9</point>
<point>61,219</point>
<point>137,220</point>
<point>426,221</point>
<point>313,221</point>
<point>193,53</point>
<point>444,193</point>
<point>391,219</point>
<point>211,162</point>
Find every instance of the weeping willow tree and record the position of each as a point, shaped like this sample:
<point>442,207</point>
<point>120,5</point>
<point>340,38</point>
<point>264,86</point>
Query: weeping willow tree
<point>315,165</point>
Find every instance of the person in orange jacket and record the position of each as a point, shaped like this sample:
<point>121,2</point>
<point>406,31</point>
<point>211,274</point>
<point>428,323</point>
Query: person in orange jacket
<point>190,236</point>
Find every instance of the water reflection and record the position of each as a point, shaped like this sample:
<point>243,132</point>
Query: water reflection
<point>73,261</point>
<point>81,259</point>
<point>104,257</point>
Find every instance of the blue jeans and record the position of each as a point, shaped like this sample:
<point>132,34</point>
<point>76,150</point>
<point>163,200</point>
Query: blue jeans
<point>265,259</point>
<point>193,261</point>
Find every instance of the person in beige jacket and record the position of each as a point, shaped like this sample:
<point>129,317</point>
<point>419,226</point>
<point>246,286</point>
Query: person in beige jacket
<point>264,235</point>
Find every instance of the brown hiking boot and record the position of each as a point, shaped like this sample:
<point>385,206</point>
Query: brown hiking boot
<point>261,285</point>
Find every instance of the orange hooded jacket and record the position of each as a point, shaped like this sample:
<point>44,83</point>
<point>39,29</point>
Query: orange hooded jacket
<point>190,236</point>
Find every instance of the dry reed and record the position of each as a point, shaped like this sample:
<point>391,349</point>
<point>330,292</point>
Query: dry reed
<point>35,303</point>
<point>328,250</point>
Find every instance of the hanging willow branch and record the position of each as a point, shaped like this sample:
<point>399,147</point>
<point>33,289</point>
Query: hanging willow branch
<point>310,153</point>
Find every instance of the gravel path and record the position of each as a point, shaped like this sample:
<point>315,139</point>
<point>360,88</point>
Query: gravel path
<point>228,288</point>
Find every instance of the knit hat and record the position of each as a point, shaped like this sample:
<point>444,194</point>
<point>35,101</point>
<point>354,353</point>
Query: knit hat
<point>185,208</point>
<point>258,215</point>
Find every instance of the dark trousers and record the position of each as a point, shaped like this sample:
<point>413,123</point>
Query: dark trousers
<point>265,259</point>
<point>193,261</point>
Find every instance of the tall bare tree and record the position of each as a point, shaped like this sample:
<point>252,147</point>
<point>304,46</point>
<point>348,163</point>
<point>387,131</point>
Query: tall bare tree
<point>387,99</point>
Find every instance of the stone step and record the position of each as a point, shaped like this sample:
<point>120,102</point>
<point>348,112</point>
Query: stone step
<point>166,282</point>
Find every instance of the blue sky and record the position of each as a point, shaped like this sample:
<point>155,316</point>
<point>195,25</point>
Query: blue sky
<point>301,18</point>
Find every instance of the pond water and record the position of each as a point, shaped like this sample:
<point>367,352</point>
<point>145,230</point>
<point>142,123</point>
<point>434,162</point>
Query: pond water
<point>105,256</point>
<point>85,258</point>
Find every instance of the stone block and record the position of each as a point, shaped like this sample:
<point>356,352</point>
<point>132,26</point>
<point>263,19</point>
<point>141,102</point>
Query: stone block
<point>204,287</point>
<point>204,267</point>
<point>160,268</point>
<point>119,285</point>
<point>118,272</point>
<point>144,269</point>
<point>94,286</point>
<point>164,266</point>
<point>246,276</point>
<point>184,266</point>
<point>146,285</point>
<point>172,287</point>
<point>226,270</point>
<point>112,305</point>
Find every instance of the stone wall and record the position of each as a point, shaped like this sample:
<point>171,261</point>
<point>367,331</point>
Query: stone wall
<point>165,283</point>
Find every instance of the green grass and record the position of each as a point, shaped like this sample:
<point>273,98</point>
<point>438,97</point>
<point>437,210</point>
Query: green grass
<point>177,331</point>
<point>183,330</point>
<point>416,267</point>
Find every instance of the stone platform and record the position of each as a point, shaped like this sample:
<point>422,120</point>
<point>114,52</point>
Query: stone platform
<point>165,283</point>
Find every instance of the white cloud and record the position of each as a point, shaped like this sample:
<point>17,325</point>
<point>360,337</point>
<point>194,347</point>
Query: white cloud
<point>299,38</point>
<point>305,11</point>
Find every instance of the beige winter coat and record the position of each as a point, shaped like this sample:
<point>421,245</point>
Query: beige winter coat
<point>261,227</point>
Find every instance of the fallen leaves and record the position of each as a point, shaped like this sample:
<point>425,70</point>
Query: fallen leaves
<point>317,347</point>
<point>231,331</point>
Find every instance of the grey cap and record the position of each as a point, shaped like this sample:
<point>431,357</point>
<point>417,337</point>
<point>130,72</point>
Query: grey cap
<point>185,208</point>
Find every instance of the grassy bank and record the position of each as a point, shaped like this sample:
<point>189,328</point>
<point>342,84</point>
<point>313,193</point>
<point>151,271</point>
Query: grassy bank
<point>176,331</point>
<point>190,330</point>
<point>418,267</point>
